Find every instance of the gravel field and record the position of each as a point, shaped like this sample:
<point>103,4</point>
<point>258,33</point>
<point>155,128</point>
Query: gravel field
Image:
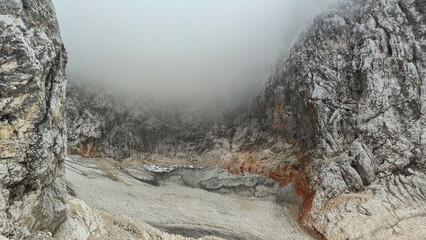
<point>190,202</point>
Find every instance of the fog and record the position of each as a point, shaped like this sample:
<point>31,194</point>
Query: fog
<point>175,49</point>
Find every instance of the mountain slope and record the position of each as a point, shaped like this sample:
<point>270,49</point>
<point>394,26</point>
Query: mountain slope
<point>349,103</point>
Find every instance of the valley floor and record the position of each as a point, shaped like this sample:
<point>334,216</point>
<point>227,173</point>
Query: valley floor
<point>188,201</point>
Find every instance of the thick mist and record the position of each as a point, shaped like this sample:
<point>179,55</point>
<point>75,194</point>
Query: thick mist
<point>197,50</point>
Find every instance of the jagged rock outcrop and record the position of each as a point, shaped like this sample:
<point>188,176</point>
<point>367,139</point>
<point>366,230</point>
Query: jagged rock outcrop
<point>349,103</point>
<point>32,127</point>
<point>103,124</point>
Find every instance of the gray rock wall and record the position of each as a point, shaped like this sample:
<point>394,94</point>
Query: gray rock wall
<point>105,124</point>
<point>351,95</point>
<point>32,130</point>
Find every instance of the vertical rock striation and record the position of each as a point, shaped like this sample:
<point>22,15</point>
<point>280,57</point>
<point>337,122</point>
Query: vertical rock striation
<point>32,131</point>
<point>350,97</point>
<point>103,124</point>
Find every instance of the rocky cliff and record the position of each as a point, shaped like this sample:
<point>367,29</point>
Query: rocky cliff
<point>342,117</point>
<point>105,124</point>
<point>32,127</point>
<point>348,104</point>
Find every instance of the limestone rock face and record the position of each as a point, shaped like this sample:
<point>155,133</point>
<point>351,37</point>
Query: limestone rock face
<point>105,124</point>
<point>32,130</point>
<point>350,97</point>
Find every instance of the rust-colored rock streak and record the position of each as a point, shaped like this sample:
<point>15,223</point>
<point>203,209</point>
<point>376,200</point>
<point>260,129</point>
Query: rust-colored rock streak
<point>283,174</point>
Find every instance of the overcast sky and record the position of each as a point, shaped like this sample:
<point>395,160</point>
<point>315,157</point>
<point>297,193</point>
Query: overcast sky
<point>179,47</point>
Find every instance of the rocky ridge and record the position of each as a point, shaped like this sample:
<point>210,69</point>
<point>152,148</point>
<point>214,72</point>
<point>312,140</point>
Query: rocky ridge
<point>104,124</point>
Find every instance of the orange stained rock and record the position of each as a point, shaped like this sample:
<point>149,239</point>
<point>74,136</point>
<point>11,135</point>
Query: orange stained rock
<point>284,174</point>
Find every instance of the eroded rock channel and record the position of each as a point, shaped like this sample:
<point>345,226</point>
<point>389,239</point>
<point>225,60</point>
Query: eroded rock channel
<point>189,201</point>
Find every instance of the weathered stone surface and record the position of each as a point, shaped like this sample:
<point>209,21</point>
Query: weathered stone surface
<point>102,124</point>
<point>351,96</point>
<point>32,130</point>
<point>84,223</point>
